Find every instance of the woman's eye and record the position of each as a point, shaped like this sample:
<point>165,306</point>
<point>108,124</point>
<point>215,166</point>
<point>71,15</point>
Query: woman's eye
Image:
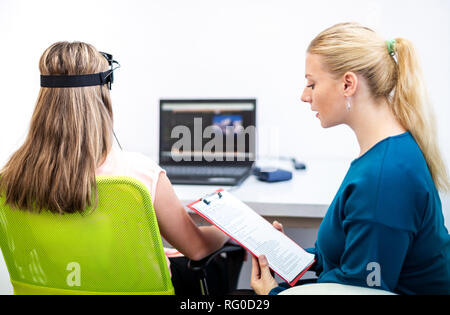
<point>311,86</point>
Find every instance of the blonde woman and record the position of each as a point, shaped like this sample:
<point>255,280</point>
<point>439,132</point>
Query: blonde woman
<point>69,143</point>
<point>385,227</point>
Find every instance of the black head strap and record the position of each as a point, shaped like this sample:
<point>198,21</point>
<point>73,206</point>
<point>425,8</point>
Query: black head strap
<point>68,81</point>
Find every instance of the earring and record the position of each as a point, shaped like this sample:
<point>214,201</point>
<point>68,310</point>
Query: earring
<point>348,104</point>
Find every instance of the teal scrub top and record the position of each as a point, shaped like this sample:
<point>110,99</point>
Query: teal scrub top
<point>385,228</point>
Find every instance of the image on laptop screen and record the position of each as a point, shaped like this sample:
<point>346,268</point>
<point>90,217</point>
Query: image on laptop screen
<point>207,131</point>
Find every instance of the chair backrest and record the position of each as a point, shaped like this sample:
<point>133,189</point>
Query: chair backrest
<point>115,249</point>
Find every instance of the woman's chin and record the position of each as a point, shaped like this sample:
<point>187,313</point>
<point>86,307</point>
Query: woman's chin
<point>328,125</point>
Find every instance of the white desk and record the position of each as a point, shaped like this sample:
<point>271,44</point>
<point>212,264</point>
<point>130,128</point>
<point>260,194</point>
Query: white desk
<point>301,202</point>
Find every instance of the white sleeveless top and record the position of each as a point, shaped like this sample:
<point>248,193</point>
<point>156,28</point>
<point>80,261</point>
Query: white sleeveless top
<point>140,167</point>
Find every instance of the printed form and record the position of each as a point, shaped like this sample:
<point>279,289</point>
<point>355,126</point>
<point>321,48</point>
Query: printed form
<point>253,232</point>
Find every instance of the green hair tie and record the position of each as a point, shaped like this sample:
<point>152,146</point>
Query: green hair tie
<point>390,45</point>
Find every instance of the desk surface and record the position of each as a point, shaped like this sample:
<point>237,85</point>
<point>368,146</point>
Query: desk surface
<point>307,195</point>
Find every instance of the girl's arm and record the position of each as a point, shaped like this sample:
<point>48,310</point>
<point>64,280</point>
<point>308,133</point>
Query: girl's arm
<point>177,227</point>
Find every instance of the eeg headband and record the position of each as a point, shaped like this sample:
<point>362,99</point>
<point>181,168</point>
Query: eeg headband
<point>68,81</point>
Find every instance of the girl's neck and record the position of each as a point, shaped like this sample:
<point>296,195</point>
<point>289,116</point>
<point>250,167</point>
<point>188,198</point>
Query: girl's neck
<point>373,121</point>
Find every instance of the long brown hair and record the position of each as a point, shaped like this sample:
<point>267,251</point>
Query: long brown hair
<point>353,47</point>
<point>69,135</point>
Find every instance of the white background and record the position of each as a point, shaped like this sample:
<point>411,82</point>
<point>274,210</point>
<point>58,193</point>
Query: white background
<point>216,49</point>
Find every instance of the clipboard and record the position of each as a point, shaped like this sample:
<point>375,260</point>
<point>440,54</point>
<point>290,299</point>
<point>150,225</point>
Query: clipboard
<point>233,217</point>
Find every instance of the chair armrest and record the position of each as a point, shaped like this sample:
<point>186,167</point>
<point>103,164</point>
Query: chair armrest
<point>199,265</point>
<point>226,277</point>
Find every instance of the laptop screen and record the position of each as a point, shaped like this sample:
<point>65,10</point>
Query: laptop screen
<point>207,131</point>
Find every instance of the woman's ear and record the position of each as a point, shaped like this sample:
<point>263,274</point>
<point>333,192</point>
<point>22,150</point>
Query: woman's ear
<point>350,80</point>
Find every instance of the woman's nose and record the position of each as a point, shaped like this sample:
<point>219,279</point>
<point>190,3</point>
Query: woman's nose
<point>306,97</point>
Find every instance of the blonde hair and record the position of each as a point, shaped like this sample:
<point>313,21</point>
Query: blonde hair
<point>352,47</point>
<point>70,134</point>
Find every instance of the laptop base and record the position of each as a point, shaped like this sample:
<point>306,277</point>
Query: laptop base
<point>216,181</point>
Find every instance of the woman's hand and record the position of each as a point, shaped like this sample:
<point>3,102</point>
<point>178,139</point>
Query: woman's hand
<point>278,226</point>
<point>261,281</point>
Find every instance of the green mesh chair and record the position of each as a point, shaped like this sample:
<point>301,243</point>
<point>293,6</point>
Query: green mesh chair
<point>115,249</point>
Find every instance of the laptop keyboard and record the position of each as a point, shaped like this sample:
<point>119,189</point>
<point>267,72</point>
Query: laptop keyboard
<point>211,171</point>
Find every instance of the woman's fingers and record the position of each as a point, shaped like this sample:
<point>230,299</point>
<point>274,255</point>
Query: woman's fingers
<point>262,280</point>
<point>264,267</point>
<point>278,226</point>
<point>256,272</point>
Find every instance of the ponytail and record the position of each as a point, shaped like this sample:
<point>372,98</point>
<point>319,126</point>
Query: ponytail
<point>411,106</point>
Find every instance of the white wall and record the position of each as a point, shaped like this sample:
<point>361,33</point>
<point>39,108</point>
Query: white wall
<point>211,48</point>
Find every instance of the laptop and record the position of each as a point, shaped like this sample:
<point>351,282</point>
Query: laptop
<point>207,141</point>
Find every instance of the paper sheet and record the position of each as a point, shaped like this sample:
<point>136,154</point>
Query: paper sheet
<point>252,231</point>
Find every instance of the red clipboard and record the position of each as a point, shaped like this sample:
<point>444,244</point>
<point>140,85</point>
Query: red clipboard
<point>218,191</point>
